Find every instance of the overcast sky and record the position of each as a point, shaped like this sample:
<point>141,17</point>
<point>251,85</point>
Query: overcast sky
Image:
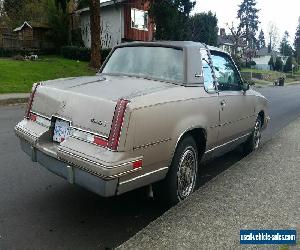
<point>284,14</point>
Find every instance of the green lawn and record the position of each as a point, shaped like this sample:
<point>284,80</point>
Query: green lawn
<point>18,76</point>
<point>268,71</point>
<point>257,71</point>
<point>273,76</point>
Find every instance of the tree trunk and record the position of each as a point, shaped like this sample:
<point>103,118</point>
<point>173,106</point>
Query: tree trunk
<point>95,34</point>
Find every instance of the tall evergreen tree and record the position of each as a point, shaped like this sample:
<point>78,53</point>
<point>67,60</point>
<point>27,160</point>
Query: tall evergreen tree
<point>261,43</point>
<point>58,22</point>
<point>248,16</point>
<point>297,43</point>
<point>204,28</point>
<point>285,47</point>
<point>171,18</point>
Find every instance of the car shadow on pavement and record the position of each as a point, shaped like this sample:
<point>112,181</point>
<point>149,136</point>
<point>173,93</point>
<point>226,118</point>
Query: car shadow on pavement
<point>213,168</point>
<point>80,219</point>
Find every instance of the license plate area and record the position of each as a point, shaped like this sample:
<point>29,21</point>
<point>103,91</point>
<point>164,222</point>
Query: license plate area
<point>61,130</point>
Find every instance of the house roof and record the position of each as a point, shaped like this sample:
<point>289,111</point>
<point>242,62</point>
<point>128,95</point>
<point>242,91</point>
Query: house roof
<point>225,40</point>
<point>22,26</point>
<point>265,52</point>
<point>31,25</point>
<point>103,3</point>
<point>229,40</point>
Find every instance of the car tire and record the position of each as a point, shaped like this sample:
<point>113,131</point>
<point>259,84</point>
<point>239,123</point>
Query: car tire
<point>181,179</point>
<point>254,140</point>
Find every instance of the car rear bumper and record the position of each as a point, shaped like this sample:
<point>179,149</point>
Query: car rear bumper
<point>106,173</point>
<point>74,175</point>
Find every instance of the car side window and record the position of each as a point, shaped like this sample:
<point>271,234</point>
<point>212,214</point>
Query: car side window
<point>207,73</point>
<point>226,73</point>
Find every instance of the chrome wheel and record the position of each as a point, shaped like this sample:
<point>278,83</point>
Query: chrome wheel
<point>257,134</point>
<point>187,173</point>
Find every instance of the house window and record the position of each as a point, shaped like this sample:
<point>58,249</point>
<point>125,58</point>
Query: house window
<point>139,19</point>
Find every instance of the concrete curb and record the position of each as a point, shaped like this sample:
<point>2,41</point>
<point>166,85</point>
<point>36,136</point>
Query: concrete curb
<point>13,101</point>
<point>259,192</point>
<point>9,99</point>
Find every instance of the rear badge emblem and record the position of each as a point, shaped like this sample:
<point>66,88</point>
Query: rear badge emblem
<point>100,123</point>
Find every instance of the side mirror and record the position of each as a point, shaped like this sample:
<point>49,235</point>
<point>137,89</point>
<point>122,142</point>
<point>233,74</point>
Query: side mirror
<point>245,86</point>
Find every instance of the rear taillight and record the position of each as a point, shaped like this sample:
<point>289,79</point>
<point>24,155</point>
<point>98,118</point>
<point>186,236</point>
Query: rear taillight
<point>30,100</point>
<point>117,124</point>
<point>137,164</point>
<point>100,141</point>
<point>32,117</point>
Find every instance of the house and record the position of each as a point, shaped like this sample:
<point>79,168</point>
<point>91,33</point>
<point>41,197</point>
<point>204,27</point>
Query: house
<point>33,36</point>
<point>263,57</point>
<point>224,42</point>
<point>121,20</point>
<point>227,43</point>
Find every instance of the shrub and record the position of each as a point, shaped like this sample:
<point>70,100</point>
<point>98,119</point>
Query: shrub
<point>11,52</point>
<point>289,64</point>
<point>5,52</point>
<point>271,63</point>
<point>76,53</point>
<point>81,53</point>
<point>19,58</point>
<point>278,64</point>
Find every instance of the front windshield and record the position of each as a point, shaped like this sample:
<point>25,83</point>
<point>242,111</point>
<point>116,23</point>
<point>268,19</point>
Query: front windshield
<point>149,62</point>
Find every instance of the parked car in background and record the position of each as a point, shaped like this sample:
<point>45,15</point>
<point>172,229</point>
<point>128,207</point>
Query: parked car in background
<point>152,115</point>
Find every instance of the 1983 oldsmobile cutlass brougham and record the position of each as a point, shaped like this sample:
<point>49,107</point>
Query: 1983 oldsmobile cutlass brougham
<point>151,115</point>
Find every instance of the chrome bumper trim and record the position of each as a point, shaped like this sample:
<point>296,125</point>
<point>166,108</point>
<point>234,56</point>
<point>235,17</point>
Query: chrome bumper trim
<point>226,143</point>
<point>142,176</point>
<point>20,132</point>
<point>99,165</point>
<point>151,144</point>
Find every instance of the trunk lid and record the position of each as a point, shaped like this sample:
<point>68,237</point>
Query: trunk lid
<point>89,102</point>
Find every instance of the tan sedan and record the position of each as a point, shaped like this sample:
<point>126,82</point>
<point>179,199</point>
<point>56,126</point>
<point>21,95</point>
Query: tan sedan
<point>151,116</point>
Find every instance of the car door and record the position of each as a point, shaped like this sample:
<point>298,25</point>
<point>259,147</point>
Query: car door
<point>236,105</point>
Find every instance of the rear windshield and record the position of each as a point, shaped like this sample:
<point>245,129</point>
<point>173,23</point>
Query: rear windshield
<point>148,62</point>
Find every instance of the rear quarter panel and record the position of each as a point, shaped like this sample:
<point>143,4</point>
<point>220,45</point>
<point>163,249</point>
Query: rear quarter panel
<point>158,122</point>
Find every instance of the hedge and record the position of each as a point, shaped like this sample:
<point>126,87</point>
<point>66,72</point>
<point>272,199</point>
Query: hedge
<point>11,52</point>
<point>4,52</point>
<point>81,53</point>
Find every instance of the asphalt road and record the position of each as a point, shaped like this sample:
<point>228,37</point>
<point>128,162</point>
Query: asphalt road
<point>40,210</point>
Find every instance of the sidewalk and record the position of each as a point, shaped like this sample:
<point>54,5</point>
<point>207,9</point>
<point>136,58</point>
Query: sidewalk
<point>13,98</point>
<point>262,191</point>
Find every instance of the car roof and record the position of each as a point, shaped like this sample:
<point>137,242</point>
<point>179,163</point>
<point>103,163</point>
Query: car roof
<point>179,44</point>
<point>192,73</point>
